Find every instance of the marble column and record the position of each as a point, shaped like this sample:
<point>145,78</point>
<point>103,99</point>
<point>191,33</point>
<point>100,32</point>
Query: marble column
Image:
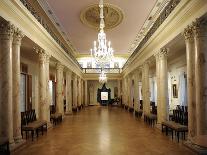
<point>82,92</point>
<point>44,85</point>
<point>79,91</point>
<point>86,93</point>
<point>124,90</point>
<point>47,99</point>
<point>130,100</point>
<point>200,38</point>
<point>59,88</point>
<point>6,118</point>
<point>159,107</point>
<point>136,91</point>
<point>128,92</point>
<point>75,92</point>
<point>146,90</point>
<point>119,87</point>
<point>68,92</point>
<point>129,85</point>
<point>17,38</point>
<point>163,84</point>
<point>190,59</point>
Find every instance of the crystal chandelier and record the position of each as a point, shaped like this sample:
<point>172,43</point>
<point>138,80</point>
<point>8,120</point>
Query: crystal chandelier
<point>102,51</point>
<point>102,78</point>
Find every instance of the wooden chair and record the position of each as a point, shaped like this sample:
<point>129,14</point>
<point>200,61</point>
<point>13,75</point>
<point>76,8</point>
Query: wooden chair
<point>55,117</point>
<point>4,148</point>
<point>29,123</point>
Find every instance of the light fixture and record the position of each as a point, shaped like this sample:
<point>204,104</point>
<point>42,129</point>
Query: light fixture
<point>102,78</point>
<point>102,51</point>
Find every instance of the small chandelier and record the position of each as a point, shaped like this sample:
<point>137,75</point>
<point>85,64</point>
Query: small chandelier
<point>102,78</point>
<point>102,51</point>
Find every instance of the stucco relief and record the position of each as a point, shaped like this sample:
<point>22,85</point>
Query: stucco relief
<point>113,16</point>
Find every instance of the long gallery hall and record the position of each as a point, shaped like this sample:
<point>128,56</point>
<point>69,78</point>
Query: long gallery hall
<point>103,77</point>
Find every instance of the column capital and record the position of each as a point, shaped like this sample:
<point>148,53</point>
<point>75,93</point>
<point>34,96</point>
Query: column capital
<point>59,66</point>
<point>200,27</point>
<point>17,37</point>
<point>188,33</point>
<point>6,29</point>
<point>163,52</point>
<point>74,75</point>
<point>43,56</point>
<point>146,62</point>
<point>69,72</point>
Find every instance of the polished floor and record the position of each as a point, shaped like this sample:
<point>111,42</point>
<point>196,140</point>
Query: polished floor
<point>103,131</point>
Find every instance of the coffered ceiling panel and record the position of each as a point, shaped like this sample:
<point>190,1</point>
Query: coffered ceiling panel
<point>68,13</point>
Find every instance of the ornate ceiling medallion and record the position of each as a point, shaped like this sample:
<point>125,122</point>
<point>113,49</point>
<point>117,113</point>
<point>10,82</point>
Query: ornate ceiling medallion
<point>113,16</point>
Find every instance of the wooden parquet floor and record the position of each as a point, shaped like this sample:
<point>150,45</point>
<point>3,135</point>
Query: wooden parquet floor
<point>103,131</point>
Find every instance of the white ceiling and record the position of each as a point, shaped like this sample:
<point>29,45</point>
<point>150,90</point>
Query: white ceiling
<point>67,12</point>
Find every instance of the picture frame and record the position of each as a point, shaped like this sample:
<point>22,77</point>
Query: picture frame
<point>174,91</point>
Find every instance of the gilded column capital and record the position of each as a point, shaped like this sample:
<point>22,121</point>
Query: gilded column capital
<point>17,37</point>
<point>6,29</point>
<point>200,27</point>
<point>188,33</point>
<point>59,66</point>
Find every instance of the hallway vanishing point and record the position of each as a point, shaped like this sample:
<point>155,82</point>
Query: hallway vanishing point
<point>103,131</point>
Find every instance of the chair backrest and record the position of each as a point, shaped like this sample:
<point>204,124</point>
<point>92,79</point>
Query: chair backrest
<point>28,117</point>
<point>52,109</point>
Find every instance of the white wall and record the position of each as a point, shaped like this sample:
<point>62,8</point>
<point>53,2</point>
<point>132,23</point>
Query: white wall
<point>176,68</point>
<point>34,71</point>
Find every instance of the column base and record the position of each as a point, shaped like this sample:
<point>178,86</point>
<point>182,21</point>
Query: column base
<point>18,139</point>
<point>49,125</point>
<point>14,146</point>
<point>195,148</point>
<point>68,113</point>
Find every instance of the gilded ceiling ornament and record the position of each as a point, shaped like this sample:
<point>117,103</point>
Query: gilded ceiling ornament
<point>113,16</point>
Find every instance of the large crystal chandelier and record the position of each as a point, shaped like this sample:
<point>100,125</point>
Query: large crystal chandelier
<point>102,51</point>
<point>102,78</point>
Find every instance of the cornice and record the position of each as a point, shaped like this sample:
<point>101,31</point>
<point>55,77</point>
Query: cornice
<point>182,16</point>
<point>154,14</point>
<point>50,13</point>
<point>154,26</point>
<point>44,24</point>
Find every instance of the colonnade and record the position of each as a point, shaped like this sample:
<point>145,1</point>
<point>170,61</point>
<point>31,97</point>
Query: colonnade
<point>195,39</point>
<point>196,55</point>
<point>10,117</point>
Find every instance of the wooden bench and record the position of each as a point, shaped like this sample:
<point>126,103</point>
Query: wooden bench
<point>131,109</point>
<point>54,116</point>
<point>4,148</point>
<point>138,113</point>
<point>151,119</point>
<point>29,123</point>
<point>178,128</point>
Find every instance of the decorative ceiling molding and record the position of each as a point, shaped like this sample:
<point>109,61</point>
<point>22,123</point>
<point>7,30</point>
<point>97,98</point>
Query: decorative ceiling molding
<point>165,12</point>
<point>50,13</point>
<point>154,14</point>
<point>113,16</point>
